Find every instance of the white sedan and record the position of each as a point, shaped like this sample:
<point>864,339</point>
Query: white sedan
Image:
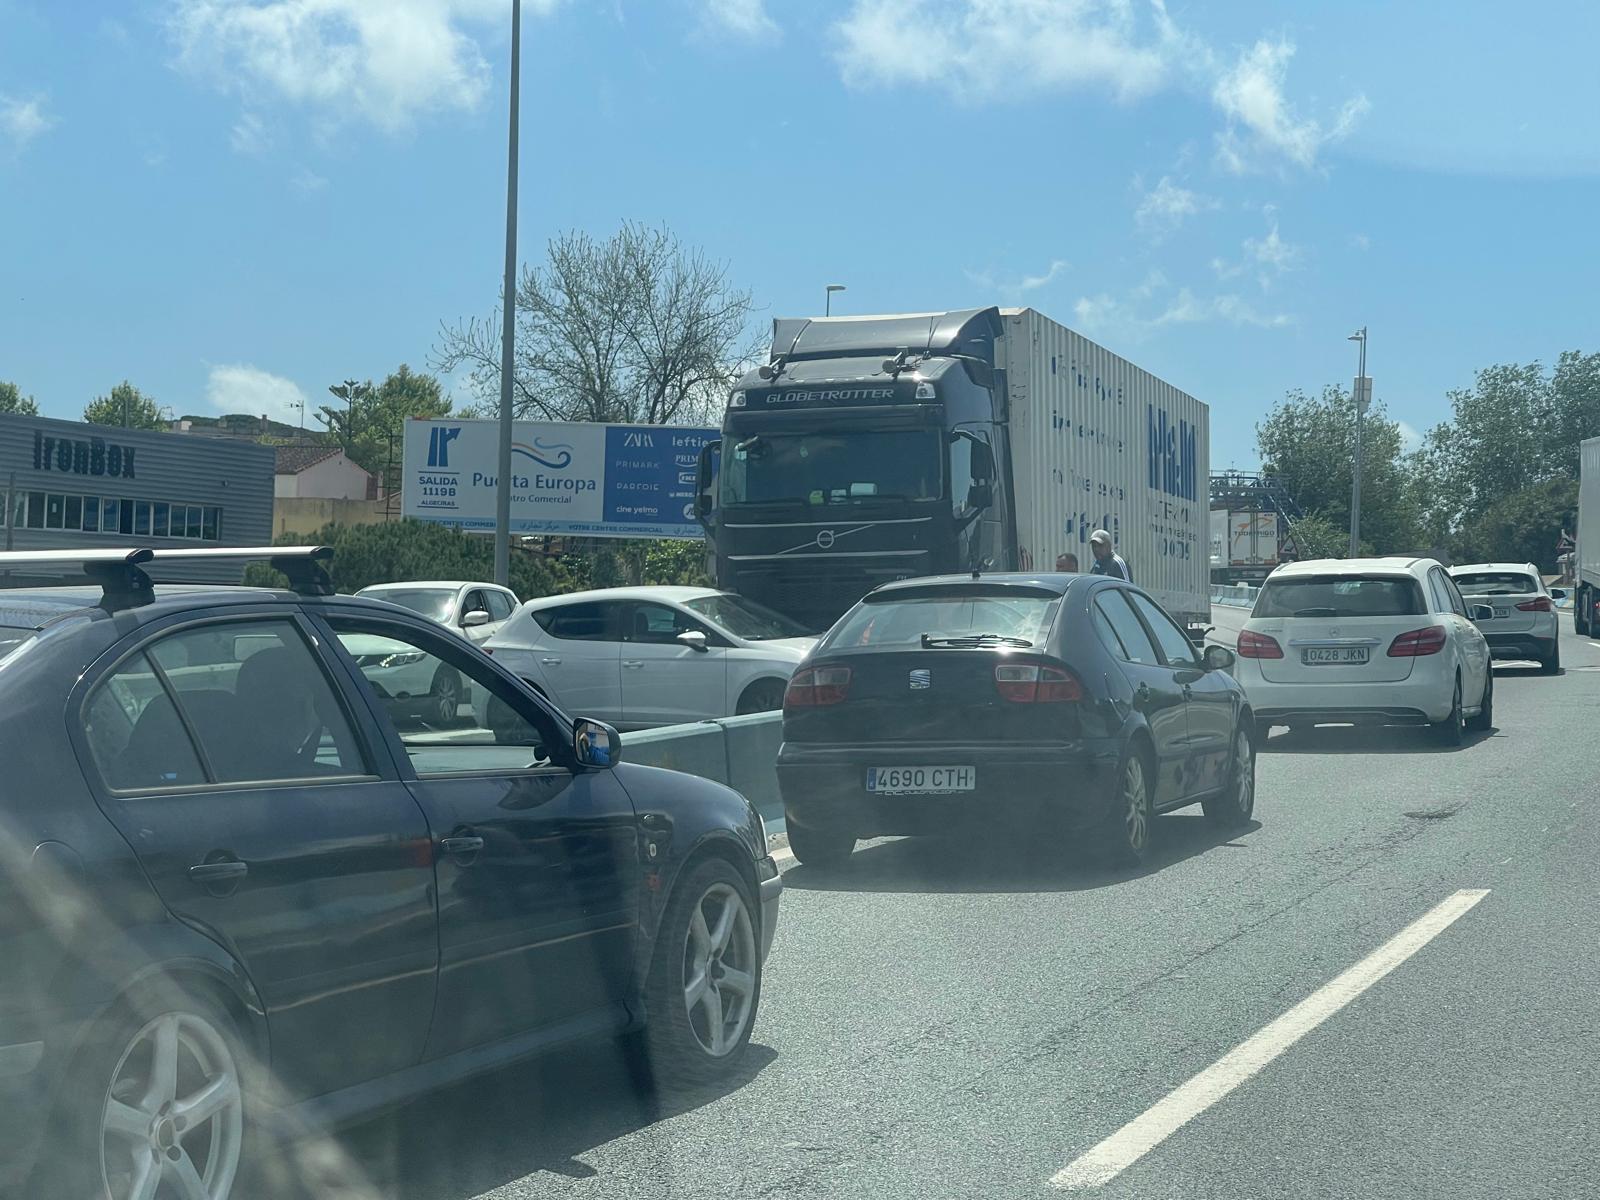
<point>648,656</point>
<point>1379,641</point>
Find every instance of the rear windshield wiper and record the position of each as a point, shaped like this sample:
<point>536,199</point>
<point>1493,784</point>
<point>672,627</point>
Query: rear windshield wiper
<point>973,639</point>
<point>1316,612</point>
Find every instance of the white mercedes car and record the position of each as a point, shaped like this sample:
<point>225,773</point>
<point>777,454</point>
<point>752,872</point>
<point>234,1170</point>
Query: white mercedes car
<point>1524,624</point>
<point>1366,641</point>
<point>645,656</point>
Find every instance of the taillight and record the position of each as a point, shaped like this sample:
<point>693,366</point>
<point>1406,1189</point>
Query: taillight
<point>1036,683</point>
<point>1258,645</point>
<point>1418,643</point>
<point>813,687</point>
<point>1537,604</point>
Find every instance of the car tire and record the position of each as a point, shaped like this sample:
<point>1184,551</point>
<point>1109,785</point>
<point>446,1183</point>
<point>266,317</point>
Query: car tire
<point>444,696</point>
<point>818,845</point>
<point>1235,804</point>
<point>1129,824</point>
<point>697,1019</point>
<point>98,1151</point>
<point>1485,718</point>
<point>764,695</point>
<point>1552,664</point>
<point>1452,730</point>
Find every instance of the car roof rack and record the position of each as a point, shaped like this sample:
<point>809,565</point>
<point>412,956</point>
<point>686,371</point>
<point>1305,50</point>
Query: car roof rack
<point>124,573</point>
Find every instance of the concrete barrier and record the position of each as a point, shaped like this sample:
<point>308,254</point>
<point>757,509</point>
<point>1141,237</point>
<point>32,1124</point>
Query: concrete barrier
<point>1241,595</point>
<point>741,752</point>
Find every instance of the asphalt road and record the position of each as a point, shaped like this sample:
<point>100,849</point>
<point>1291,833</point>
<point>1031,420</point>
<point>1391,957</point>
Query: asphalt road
<point>969,1020</point>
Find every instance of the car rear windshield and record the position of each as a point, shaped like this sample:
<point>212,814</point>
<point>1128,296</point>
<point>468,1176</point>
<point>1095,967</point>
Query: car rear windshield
<point>902,622</point>
<point>12,638</point>
<point>1497,583</point>
<point>1340,596</point>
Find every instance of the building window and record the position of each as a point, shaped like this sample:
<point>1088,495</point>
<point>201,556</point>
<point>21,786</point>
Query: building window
<point>158,520</point>
<point>125,521</point>
<point>212,527</point>
<point>73,518</point>
<point>35,510</point>
<point>141,518</point>
<point>194,525</point>
<point>53,505</point>
<point>91,514</point>
<point>110,514</point>
<point>113,515</point>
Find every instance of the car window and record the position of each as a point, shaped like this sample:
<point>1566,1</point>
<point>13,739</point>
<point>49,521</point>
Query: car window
<point>1132,643</point>
<point>500,605</point>
<point>591,621</point>
<point>475,601</point>
<point>433,603</point>
<point>1175,646</point>
<point>894,621</point>
<point>1340,596</point>
<point>1497,583</point>
<point>253,695</point>
<point>658,624</point>
<point>1453,594</point>
<point>452,713</point>
<point>745,618</point>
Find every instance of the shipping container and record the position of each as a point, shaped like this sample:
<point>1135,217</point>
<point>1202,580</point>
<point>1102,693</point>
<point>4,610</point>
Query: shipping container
<point>1586,572</point>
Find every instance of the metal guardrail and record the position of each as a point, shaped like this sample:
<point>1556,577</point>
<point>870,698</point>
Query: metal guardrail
<point>741,752</point>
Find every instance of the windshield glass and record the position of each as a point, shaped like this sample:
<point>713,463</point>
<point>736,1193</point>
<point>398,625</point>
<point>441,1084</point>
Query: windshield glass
<point>745,618</point>
<point>1496,583</point>
<point>904,622</point>
<point>433,603</point>
<point>11,638</point>
<point>1339,596</point>
<point>826,469</point>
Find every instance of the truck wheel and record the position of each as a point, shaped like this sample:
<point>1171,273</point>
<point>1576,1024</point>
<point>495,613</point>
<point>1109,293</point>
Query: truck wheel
<point>818,845</point>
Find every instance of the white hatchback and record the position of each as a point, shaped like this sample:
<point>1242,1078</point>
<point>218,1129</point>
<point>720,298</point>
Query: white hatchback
<point>1524,624</point>
<point>645,656</point>
<point>1366,641</point>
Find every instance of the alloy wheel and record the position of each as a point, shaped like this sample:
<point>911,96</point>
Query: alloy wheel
<point>1136,814</point>
<point>447,696</point>
<point>173,1119</point>
<point>1244,771</point>
<point>719,969</point>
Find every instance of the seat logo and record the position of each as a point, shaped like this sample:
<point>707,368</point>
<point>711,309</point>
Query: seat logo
<point>921,679</point>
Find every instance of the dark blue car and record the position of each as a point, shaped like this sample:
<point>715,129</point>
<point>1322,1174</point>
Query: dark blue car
<point>238,884</point>
<point>1051,703</point>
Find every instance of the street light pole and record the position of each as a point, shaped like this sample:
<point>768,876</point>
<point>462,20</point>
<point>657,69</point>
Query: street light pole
<point>1363,397</point>
<point>827,304</point>
<point>508,321</point>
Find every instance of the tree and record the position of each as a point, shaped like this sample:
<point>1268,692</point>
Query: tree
<point>126,406</point>
<point>1522,527</point>
<point>1310,440</point>
<point>13,401</point>
<point>636,328</point>
<point>370,428</point>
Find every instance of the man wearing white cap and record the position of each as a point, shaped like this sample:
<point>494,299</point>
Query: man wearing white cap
<point>1106,560</point>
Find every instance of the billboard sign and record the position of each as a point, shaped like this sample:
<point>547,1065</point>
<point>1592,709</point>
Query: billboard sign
<point>567,478</point>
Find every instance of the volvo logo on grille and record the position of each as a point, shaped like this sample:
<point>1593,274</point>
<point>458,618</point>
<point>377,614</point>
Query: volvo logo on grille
<point>825,540</point>
<point>921,679</point>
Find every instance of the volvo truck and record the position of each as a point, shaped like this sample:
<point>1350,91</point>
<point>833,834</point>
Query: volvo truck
<point>870,449</point>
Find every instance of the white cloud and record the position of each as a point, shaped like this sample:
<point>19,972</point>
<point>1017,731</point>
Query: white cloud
<point>245,389</point>
<point>1269,257</point>
<point>250,135</point>
<point>1033,283</point>
<point>1166,206</point>
<point>1133,318</point>
<point>1359,241</point>
<point>986,49</point>
<point>23,120</point>
<point>385,61</point>
<point>306,181</point>
<point>1016,289</point>
<point>1250,95</point>
<point>747,19</point>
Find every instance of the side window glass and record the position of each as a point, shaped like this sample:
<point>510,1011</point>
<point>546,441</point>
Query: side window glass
<point>452,714</point>
<point>579,622</point>
<point>1135,643</point>
<point>960,474</point>
<point>1457,603</point>
<point>1175,647</point>
<point>658,624</point>
<point>500,606</point>
<point>1436,589</point>
<point>252,693</point>
<point>474,602</point>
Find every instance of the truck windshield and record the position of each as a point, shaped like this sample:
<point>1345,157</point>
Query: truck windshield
<point>833,468</point>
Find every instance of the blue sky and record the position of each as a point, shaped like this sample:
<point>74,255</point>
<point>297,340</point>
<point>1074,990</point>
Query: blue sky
<point>234,203</point>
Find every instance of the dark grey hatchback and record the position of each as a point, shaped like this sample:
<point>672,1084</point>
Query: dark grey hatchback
<point>1054,703</point>
<point>239,888</point>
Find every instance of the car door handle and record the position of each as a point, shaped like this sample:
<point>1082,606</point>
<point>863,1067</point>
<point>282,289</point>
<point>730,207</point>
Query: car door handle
<point>633,664</point>
<point>1142,695</point>
<point>211,873</point>
<point>1188,692</point>
<point>461,845</point>
<point>550,662</point>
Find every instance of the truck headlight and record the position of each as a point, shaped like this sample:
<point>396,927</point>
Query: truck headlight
<point>736,400</point>
<point>925,390</point>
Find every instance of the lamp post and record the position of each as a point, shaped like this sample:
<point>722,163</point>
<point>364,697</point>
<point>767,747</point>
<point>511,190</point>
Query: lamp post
<point>508,320</point>
<point>1363,397</point>
<point>827,305</point>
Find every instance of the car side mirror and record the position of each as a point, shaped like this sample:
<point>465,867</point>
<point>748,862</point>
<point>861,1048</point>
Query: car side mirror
<point>1482,612</point>
<point>475,618</point>
<point>694,639</point>
<point>1217,658</point>
<point>980,495</point>
<point>1558,593</point>
<point>596,744</point>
